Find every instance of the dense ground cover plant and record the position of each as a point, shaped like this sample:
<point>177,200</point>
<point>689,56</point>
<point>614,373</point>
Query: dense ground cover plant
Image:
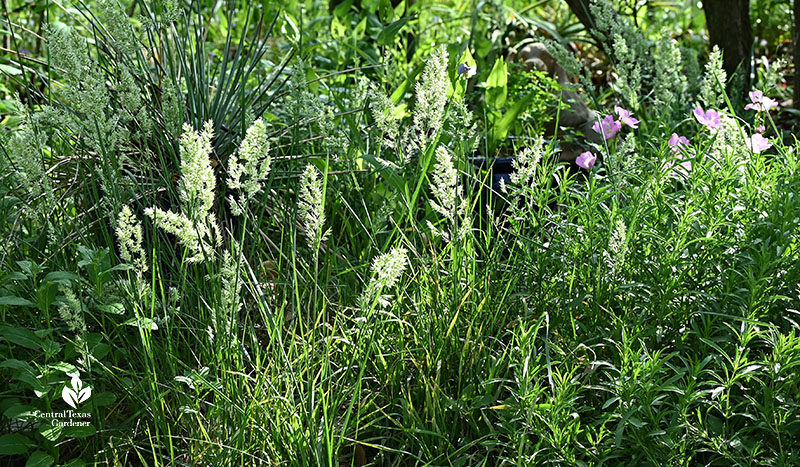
<point>227,247</point>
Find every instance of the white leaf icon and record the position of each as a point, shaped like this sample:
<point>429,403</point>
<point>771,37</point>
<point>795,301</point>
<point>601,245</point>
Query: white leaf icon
<point>77,393</point>
<point>70,397</point>
<point>84,394</point>
<point>77,384</point>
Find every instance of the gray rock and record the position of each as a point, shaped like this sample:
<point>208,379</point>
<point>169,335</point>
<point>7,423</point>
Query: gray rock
<point>578,115</point>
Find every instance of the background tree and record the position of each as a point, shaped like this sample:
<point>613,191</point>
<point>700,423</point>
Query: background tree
<point>728,23</point>
<point>580,8</point>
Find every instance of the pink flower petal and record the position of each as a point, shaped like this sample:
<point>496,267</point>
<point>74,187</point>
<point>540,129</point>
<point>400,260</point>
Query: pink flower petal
<point>709,118</point>
<point>676,142</point>
<point>758,143</point>
<point>760,103</point>
<point>678,168</point>
<point>625,117</point>
<point>608,127</point>
<point>586,160</point>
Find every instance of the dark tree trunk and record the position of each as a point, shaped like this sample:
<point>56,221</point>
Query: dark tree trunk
<point>580,8</point>
<point>796,41</point>
<point>729,27</point>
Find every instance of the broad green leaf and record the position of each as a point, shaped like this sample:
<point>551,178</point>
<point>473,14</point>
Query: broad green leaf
<point>50,432</point>
<point>14,443</point>
<point>400,9</point>
<point>99,351</point>
<point>483,47</point>
<point>342,10</point>
<point>461,81</point>
<point>361,27</point>
<point>497,84</point>
<point>29,268</point>
<point>61,277</point>
<point>42,333</point>
<point>6,404</point>
<point>39,459</point>
<point>21,412</point>
<point>387,35</point>
<point>50,347</point>
<point>20,336</point>
<point>337,28</point>
<point>10,70</point>
<point>66,368</point>
<point>39,388</point>
<point>386,11</point>
<point>14,276</point>
<point>289,27</point>
<point>499,130</point>
<point>10,300</point>
<point>114,308</point>
<point>15,364</point>
<point>46,294</point>
<point>104,399</point>
<point>79,431</point>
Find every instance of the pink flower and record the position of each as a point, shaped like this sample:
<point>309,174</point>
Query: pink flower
<point>758,143</point>
<point>625,117</point>
<point>709,118</point>
<point>586,160</point>
<point>761,129</point>
<point>676,142</point>
<point>679,167</point>
<point>760,103</point>
<point>608,128</point>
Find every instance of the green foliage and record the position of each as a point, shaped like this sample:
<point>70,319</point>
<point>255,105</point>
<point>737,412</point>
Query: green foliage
<point>247,261</point>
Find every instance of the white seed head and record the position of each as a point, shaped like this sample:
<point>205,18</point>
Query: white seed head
<point>129,236</point>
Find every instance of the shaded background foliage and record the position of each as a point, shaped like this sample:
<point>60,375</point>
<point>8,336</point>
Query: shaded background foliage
<point>378,303</point>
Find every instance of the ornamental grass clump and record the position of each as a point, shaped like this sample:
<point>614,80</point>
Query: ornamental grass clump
<point>634,309</point>
<point>84,91</point>
<point>249,167</point>
<point>226,313</point>
<point>387,269</point>
<point>71,311</point>
<point>432,95</point>
<point>129,237</point>
<point>382,110</point>
<point>24,147</point>
<point>195,225</point>
<point>429,107</point>
<point>526,165</point>
<point>448,194</point>
<point>714,79</point>
<point>630,49</point>
<point>671,83</point>
<point>526,186</point>
<point>617,249</point>
<point>311,208</point>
